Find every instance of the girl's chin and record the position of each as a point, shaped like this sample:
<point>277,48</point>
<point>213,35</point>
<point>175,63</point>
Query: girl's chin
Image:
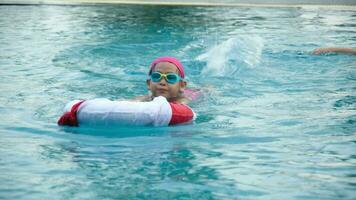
<point>162,93</point>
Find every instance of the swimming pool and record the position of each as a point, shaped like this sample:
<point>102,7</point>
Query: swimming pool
<point>275,122</point>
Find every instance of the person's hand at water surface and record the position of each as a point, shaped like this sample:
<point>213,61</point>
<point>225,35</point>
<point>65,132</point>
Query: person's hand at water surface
<point>324,50</point>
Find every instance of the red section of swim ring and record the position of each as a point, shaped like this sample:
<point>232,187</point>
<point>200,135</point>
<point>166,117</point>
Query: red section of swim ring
<point>180,113</point>
<point>70,118</point>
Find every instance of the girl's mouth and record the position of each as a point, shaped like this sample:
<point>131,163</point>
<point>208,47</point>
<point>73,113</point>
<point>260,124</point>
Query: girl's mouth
<point>161,91</point>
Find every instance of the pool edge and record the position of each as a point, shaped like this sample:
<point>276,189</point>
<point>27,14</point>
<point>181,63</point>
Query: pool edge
<point>174,3</point>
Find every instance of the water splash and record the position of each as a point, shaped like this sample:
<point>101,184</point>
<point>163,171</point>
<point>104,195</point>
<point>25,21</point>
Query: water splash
<point>226,58</point>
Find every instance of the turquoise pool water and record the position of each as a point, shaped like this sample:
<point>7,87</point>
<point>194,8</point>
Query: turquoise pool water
<point>275,122</point>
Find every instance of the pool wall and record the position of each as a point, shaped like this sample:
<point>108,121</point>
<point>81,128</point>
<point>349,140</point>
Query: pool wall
<point>191,2</point>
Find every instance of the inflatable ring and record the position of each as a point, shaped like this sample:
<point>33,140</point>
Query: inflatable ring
<point>104,112</point>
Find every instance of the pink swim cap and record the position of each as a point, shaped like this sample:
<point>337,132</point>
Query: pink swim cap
<point>172,60</point>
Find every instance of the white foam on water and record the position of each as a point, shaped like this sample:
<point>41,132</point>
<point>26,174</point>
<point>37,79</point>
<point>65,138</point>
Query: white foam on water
<point>225,58</point>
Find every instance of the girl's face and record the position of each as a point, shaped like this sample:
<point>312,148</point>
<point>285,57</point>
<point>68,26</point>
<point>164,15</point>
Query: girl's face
<point>163,88</point>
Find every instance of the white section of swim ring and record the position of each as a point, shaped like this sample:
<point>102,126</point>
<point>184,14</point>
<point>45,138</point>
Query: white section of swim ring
<point>104,112</point>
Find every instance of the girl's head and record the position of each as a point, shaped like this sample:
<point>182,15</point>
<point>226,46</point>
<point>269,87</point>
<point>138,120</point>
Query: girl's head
<point>166,78</point>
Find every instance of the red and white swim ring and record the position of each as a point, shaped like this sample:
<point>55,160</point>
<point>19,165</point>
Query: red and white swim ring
<point>104,112</point>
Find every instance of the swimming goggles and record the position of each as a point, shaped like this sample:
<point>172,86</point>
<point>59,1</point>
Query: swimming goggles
<point>171,78</point>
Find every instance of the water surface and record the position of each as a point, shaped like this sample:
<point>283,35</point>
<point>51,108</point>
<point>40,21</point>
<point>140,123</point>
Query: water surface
<point>275,122</point>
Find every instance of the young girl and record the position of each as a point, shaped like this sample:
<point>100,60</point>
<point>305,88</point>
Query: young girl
<point>164,106</point>
<point>166,78</point>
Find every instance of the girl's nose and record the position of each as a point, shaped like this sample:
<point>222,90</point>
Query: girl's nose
<point>163,81</point>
